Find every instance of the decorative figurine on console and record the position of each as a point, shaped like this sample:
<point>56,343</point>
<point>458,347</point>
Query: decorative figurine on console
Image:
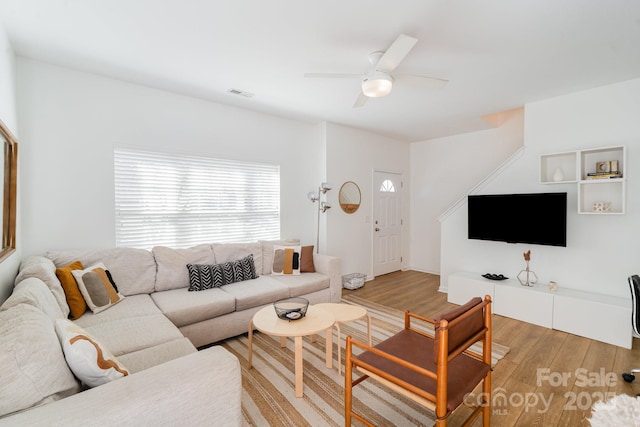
<point>527,281</point>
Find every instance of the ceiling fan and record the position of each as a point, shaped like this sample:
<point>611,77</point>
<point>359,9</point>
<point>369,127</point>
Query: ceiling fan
<point>378,80</point>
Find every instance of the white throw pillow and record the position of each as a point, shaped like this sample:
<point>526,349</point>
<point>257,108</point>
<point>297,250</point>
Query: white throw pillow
<point>267,252</point>
<point>286,260</point>
<point>89,360</point>
<point>97,288</point>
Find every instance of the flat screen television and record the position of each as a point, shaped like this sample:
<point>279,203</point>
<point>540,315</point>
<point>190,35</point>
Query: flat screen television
<point>535,218</point>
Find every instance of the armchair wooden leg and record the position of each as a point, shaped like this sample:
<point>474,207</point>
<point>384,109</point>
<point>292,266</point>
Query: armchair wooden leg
<point>348,371</point>
<point>486,409</point>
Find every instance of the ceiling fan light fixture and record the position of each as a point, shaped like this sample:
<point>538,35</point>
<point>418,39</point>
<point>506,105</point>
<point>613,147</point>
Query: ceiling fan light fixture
<point>377,84</point>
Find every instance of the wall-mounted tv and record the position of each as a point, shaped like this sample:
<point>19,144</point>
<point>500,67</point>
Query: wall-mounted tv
<point>535,218</point>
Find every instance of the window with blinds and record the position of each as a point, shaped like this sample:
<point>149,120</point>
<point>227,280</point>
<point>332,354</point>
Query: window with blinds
<point>180,201</point>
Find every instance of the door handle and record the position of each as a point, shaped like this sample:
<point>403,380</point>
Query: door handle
<point>377,229</point>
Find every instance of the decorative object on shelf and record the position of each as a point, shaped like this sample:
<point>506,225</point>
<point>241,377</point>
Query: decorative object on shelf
<point>606,170</point>
<point>602,206</point>
<point>315,196</point>
<point>603,167</point>
<point>527,281</point>
<point>553,286</point>
<point>604,175</point>
<point>291,308</point>
<point>558,175</point>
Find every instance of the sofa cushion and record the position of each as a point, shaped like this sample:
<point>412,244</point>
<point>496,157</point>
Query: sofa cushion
<point>146,358</point>
<point>303,284</point>
<point>134,270</point>
<point>123,336</point>
<point>172,265</point>
<point>201,389</point>
<point>45,270</point>
<point>286,260</point>
<point>254,293</point>
<point>34,292</point>
<point>77,304</point>
<point>267,251</point>
<point>129,308</point>
<point>34,371</point>
<point>87,357</point>
<point>185,308</point>
<point>97,288</point>
<point>226,252</point>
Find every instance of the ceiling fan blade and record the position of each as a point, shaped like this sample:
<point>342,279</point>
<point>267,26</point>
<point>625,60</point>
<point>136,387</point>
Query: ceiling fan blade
<point>420,81</point>
<point>333,75</point>
<point>396,53</point>
<point>360,100</point>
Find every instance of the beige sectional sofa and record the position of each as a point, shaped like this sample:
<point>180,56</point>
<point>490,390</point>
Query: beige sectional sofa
<point>154,331</point>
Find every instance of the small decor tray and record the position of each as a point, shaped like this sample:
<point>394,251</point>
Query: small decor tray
<point>491,276</point>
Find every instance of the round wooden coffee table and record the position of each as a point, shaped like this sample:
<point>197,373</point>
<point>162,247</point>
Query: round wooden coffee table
<point>344,313</point>
<point>315,321</point>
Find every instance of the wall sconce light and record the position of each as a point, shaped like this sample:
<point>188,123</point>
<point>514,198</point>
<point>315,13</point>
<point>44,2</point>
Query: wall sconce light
<point>314,196</point>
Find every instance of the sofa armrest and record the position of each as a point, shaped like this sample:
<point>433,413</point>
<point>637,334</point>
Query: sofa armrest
<point>332,267</point>
<point>196,389</point>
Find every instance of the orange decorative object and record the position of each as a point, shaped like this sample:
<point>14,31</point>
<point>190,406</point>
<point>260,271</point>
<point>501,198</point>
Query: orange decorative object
<point>527,255</point>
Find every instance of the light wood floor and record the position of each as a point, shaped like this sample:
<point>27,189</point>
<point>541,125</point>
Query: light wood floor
<point>591,369</point>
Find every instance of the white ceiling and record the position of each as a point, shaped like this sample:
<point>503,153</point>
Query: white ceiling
<point>496,54</point>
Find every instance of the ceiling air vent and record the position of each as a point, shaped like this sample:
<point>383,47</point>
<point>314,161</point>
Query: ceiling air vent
<point>241,92</point>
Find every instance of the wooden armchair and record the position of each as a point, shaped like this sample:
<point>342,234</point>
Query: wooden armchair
<point>437,371</point>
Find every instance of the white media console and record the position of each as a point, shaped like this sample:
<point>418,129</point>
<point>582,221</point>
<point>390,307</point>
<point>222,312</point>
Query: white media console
<point>595,316</point>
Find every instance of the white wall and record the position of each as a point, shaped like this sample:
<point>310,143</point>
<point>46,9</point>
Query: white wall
<point>443,170</point>
<point>602,250</point>
<point>9,267</point>
<point>71,121</point>
<point>353,155</point>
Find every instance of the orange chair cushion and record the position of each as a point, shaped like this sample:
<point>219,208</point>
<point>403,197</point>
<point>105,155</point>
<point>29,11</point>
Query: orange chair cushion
<point>464,372</point>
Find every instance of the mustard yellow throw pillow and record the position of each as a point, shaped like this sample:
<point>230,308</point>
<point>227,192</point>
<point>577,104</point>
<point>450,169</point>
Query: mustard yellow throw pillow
<point>76,303</point>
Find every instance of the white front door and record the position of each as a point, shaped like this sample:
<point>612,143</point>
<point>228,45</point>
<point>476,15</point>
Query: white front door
<point>387,222</point>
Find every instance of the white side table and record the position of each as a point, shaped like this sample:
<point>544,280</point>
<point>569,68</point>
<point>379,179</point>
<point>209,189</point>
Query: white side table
<point>343,313</point>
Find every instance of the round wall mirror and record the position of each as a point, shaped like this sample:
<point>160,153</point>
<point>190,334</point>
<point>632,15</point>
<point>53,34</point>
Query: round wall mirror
<point>349,197</point>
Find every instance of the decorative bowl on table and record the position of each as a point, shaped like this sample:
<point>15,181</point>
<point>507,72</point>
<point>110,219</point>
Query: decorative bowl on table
<point>291,308</point>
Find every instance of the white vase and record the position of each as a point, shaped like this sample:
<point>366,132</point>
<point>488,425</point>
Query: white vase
<point>558,175</point>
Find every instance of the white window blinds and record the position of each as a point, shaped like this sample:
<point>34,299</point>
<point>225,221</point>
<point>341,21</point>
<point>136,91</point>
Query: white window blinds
<point>181,201</point>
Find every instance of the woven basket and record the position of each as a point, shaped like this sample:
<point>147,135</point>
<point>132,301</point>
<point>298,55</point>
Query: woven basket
<point>353,280</point>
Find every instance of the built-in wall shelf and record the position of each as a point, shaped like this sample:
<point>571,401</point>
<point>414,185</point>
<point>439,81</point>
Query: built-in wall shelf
<point>599,317</point>
<point>559,168</point>
<point>599,173</point>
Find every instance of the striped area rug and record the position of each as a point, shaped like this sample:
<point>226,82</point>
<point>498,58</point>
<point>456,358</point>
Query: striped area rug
<point>268,395</point>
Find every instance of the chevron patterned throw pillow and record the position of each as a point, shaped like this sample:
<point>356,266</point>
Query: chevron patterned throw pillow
<point>205,276</point>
